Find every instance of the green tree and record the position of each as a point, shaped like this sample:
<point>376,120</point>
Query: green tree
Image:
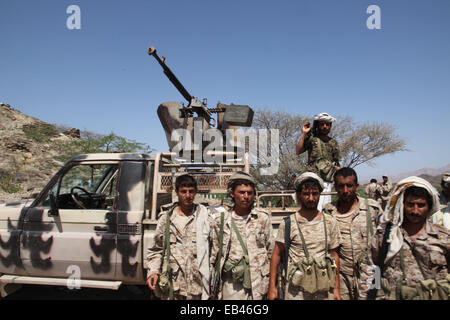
<point>359,143</point>
<point>91,142</point>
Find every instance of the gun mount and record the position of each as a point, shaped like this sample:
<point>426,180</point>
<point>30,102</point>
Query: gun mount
<point>174,115</point>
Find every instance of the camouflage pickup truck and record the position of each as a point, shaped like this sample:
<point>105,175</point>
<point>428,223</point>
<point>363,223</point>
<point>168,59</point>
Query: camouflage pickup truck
<point>95,218</point>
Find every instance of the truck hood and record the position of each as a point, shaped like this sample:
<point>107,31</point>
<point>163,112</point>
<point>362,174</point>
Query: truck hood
<point>12,210</point>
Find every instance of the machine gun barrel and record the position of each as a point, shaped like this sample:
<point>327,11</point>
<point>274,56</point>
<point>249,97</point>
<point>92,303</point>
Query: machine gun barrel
<point>152,51</point>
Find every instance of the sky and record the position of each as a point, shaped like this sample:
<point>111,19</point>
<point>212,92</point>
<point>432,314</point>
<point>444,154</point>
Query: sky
<point>302,57</point>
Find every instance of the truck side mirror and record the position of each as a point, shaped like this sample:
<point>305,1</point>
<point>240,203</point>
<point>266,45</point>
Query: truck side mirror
<point>53,206</point>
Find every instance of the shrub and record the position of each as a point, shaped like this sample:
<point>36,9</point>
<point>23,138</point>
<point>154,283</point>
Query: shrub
<point>8,185</point>
<point>40,132</point>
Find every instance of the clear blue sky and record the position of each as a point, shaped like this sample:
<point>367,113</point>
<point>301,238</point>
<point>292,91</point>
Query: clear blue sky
<point>295,56</point>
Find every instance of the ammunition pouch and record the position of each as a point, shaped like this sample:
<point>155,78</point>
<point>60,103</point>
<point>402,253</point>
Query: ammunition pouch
<point>325,169</point>
<point>405,292</point>
<point>240,271</point>
<point>303,275</point>
<point>429,289</point>
<point>443,288</point>
<point>164,283</point>
<point>313,275</point>
<point>323,281</point>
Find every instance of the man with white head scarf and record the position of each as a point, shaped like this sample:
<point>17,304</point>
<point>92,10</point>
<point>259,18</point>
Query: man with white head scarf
<point>309,240</point>
<point>412,253</point>
<point>323,151</point>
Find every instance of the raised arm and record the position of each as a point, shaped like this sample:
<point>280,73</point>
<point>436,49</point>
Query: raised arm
<point>301,143</point>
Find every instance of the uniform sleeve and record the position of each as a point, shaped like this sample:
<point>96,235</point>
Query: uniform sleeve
<point>280,232</point>
<point>334,240</point>
<point>336,153</point>
<point>308,142</point>
<point>375,212</point>
<point>214,230</point>
<point>268,230</point>
<point>155,251</point>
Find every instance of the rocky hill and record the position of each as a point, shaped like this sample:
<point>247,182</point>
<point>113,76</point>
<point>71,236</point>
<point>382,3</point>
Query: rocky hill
<point>430,174</point>
<point>28,147</point>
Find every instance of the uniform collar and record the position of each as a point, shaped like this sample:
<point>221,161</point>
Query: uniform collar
<point>430,230</point>
<point>192,216</point>
<point>361,206</point>
<point>253,213</point>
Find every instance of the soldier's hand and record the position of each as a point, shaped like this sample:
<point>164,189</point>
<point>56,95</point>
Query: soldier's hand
<point>306,128</point>
<point>152,281</point>
<point>272,294</point>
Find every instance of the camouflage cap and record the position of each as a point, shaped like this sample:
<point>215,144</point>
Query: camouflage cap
<point>306,176</point>
<point>324,117</point>
<point>446,177</point>
<point>241,175</point>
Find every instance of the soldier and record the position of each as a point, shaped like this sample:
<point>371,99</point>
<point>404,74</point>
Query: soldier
<point>178,261</point>
<point>241,244</point>
<point>357,221</point>
<point>373,191</point>
<point>442,217</point>
<point>311,240</point>
<point>323,151</point>
<point>411,252</point>
<point>386,187</point>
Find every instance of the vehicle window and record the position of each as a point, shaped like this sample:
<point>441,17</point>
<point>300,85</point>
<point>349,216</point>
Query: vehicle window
<point>86,187</point>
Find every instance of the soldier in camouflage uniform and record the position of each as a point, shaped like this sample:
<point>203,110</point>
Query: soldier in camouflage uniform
<point>442,217</point>
<point>357,221</point>
<point>316,236</point>
<point>386,188</point>
<point>189,247</point>
<point>418,251</point>
<point>373,191</point>
<point>323,151</point>
<point>241,270</point>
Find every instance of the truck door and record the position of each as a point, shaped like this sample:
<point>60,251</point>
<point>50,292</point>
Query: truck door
<point>81,234</point>
<point>130,215</point>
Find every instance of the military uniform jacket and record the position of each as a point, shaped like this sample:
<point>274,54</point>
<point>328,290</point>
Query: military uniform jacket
<point>187,280</point>
<point>385,190</point>
<point>374,191</point>
<point>259,242</point>
<point>432,249</point>
<point>329,152</point>
<point>355,245</point>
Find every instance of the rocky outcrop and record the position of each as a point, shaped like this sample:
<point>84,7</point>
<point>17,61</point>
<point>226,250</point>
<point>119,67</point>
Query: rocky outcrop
<point>27,148</point>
